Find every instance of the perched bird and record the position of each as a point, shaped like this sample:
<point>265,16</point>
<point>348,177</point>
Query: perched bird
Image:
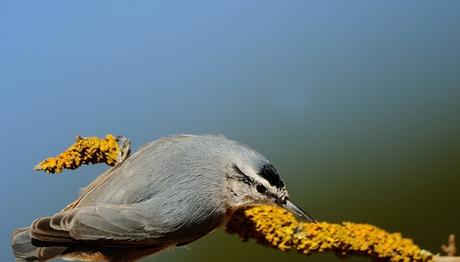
<point>169,193</point>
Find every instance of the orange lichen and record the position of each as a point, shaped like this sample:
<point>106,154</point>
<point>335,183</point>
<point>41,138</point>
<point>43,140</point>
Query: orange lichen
<point>276,227</point>
<point>85,150</point>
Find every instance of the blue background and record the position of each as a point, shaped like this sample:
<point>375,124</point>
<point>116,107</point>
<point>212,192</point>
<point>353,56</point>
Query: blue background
<point>355,102</point>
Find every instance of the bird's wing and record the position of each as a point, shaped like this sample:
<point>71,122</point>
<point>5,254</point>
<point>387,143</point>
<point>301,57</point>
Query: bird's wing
<point>116,180</point>
<point>109,224</point>
<point>117,207</point>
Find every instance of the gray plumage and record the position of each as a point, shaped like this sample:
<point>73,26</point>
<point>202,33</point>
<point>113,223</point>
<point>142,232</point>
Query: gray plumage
<point>169,193</point>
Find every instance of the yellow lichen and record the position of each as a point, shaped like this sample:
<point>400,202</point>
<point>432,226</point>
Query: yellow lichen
<point>85,150</point>
<point>276,227</point>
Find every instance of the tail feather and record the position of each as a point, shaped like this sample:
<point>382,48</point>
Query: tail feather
<point>22,246</point>
<point>24,249</point>
<point>40,242</point>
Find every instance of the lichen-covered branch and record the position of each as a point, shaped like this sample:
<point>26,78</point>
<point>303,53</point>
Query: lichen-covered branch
<point>269,225</point>
<point>85,150</point>
<point>276,227</point>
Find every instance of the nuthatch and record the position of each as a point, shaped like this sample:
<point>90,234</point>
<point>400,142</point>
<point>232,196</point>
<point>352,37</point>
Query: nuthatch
<point>169,193</point>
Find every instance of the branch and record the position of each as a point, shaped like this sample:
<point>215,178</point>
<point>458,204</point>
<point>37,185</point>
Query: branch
<point>85,150</point>
<point>275,227</point>
<point>269,225</point>
<point>450,249</point>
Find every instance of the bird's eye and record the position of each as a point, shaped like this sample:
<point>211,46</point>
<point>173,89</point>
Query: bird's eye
<point>261,189</point>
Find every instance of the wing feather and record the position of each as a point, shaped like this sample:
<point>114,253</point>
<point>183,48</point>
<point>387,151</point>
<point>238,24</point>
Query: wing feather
<point>123,222</point>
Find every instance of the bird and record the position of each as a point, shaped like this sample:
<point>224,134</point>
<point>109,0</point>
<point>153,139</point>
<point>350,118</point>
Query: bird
<point>171,192</point>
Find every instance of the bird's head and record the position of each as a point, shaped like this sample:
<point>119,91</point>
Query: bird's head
<point>253,180</point>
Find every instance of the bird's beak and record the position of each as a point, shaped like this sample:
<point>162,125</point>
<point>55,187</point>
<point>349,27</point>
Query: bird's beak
<point>299,212</point>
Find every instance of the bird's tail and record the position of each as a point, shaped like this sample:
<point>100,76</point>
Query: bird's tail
<point>29,249</point>
<point>24,249</point>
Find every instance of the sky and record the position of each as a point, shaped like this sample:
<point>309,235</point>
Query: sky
<point>355,102</point>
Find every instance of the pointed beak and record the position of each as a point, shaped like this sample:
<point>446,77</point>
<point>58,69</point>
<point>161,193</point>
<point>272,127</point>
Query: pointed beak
<point>299,212</point>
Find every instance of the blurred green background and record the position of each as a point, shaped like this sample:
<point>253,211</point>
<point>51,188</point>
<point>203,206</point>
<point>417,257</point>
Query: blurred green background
<point>355,102</point>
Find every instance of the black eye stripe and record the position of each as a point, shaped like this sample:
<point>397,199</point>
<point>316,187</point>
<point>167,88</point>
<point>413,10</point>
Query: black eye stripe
<point>261,189</point>
<point>271,175</point>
